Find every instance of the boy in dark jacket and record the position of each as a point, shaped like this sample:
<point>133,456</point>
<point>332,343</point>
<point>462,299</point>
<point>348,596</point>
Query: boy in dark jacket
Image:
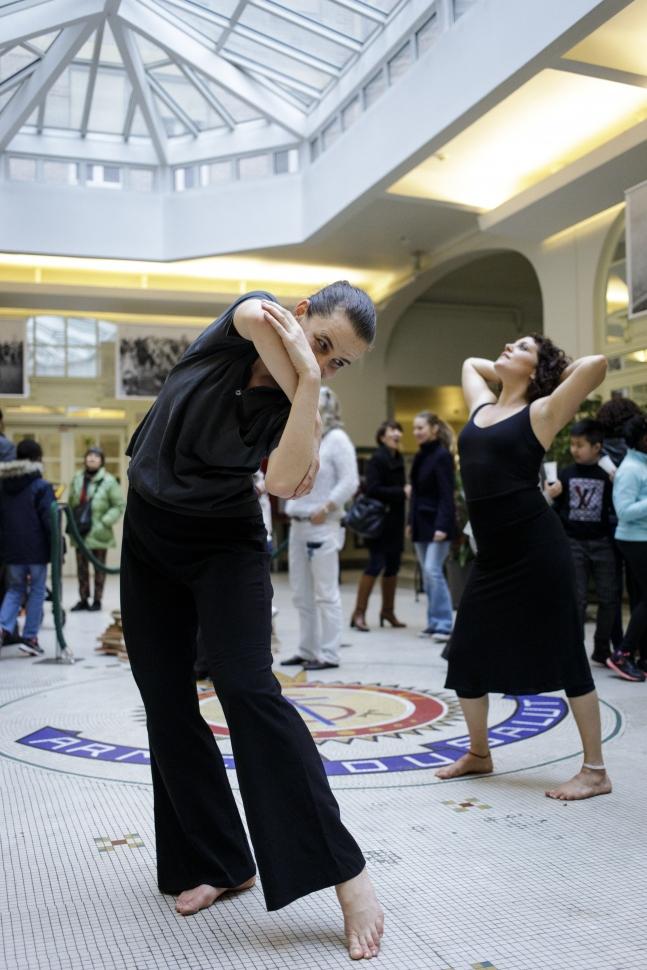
<point>582,497</point>
<point>25,504</point>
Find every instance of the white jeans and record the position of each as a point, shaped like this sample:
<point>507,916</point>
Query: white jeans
<point>314,578</point>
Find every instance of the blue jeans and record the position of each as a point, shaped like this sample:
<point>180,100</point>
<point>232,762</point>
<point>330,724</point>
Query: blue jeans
<point>20,579</point>
<point>432,556</point>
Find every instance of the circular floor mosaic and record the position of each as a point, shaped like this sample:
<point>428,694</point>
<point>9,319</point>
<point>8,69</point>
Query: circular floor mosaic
<point>368,734</point>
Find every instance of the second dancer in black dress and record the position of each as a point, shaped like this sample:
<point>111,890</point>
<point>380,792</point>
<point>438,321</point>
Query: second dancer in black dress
<point>517,629</point>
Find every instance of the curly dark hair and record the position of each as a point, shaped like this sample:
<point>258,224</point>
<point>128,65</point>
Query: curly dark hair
<point>635,430</point>
<point>551,364</point>
<point>614,414</point>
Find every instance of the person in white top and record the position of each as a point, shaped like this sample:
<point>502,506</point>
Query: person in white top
<point>316,536</point>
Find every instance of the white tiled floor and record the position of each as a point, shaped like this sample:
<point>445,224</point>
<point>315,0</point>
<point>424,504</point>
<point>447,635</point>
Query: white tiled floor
<point>511,881</point>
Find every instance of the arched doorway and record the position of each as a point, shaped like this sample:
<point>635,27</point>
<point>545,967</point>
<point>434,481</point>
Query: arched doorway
<point>471,311</point>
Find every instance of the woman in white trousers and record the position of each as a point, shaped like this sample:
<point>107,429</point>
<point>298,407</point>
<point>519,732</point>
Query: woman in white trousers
<point>316,537</point>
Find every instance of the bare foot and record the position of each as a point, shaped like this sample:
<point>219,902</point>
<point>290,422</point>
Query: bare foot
<point>191,901</point>
<point>469,764</point>
<point>586,784</point>
<point>363,916</point>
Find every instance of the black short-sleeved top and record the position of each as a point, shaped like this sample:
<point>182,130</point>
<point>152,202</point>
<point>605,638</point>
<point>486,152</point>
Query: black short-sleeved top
<point>199,445</point>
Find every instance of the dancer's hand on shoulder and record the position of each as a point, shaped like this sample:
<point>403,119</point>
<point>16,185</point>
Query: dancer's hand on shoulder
<point>306,484</point>
<point>293,338</point>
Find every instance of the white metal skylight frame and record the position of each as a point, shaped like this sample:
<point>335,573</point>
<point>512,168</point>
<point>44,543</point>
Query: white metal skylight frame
<point>227,59</point>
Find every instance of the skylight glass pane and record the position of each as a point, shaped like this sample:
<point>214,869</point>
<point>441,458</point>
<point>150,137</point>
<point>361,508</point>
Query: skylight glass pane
<point>172,124</point>
<point>13,61</point>
<point>239,110</point>
<point>332,15</point>
<point>374,88</point>
<point>202,25</point>
<point>109,102</point>
<point>141,179</point>
<point>295,36</point>
<point>66,97</point>
<point>44,41</point>
<point>425,35</point>
<point>189,99</point>
<point>6,97</point>
<point>286,67</point>
<point>150,53</point>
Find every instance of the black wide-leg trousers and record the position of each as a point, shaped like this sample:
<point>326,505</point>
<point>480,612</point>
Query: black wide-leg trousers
<point>177,572</point>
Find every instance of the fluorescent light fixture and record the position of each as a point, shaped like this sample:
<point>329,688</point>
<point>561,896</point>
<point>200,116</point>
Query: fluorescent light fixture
<point>548,123</point>
<point>221,275</point>
<point>620,43</point>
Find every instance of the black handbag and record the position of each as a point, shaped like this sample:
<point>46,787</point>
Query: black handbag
<point>83,517</point>
<point>366,517</point>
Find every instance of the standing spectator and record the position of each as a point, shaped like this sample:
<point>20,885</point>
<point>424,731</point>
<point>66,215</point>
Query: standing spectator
<point>432,517</point>
<point>582,497</point>
<point>24,512</point>
<point>95,485</point>
<point>316,536</point>
<point>7,447</point>
<point>385,481</point>
<point>630,500</point>
<point>613,416</point>
<point>7,453</point>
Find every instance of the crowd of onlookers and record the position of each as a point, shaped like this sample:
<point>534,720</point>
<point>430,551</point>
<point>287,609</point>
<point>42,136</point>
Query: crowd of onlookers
<point>601,499</point>
<point>26,500</point>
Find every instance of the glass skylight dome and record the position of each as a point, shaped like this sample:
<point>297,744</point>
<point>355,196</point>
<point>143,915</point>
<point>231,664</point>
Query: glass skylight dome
<point>165,82</point>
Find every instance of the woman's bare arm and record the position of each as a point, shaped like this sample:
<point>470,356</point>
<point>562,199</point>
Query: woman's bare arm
<point>250,322</point>
<point>550,414</point>
<point>477,373</point>
<point>293,464</point>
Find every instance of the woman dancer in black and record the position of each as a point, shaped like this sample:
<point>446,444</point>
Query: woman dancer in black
<point>195,553</point>
<point>517,629</point>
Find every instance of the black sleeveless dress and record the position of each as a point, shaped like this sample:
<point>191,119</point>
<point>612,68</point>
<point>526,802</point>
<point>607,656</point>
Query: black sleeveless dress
<point>517,630</point>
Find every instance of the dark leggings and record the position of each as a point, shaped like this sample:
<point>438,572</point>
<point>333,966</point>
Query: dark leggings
<point>383,557</point>
<point>635,555</point>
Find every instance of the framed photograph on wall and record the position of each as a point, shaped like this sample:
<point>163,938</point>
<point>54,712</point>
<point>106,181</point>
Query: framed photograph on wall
<point>146,356</point>
<point>13,359</point>
<point>636,231</point>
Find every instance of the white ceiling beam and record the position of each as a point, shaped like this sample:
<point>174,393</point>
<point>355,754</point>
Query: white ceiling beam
<point>173,106</point>
<point>136,72</point>
<point>364,9</point>
<point>248,138</point>
<point>181,46</point>
<point>40,118</point>
<point>18,77</point>
<point>54,62</point>
<point>301,20</point>
<point>207,94</point>
<point>598,71</point>
<point>92,78</point>
<point>130,116</point>
<point>20,25</point>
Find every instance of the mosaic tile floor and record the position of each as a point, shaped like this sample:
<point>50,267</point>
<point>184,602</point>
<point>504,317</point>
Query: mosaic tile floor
<point>473,874</point>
